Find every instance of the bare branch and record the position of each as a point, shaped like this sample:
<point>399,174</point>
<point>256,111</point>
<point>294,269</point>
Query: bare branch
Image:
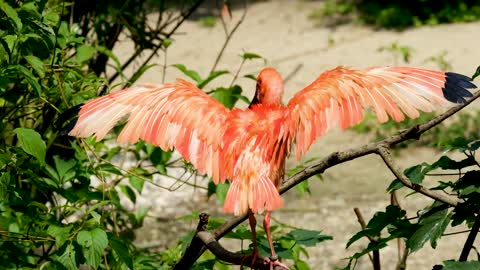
<point>470,240</point>
<point>234,258</point>
<point>384,152</point>
<point>227,40</point>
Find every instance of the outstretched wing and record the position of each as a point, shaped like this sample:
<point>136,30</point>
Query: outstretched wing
<point>339,97</point>
<point>171,115</point>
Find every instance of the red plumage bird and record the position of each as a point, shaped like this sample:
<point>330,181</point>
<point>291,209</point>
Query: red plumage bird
<point>249,146</point>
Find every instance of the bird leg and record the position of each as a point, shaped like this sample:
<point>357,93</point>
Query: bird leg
<point>273,260</point>
<point>253,223</point>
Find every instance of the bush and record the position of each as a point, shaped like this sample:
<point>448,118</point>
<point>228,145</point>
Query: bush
<point>401,14</point>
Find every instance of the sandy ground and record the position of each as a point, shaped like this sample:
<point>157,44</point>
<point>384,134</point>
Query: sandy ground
<point>281,32</point>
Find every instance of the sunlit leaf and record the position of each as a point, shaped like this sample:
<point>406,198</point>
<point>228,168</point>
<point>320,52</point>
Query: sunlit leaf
<point>60,233</point>
<point>221,191</point>
<point>227,96</point>
<point>454,265</point>
<point>12,14</point>
<point>476,74</point>
<point>188,72</point>
<point>68,257</point>
<point>250,56</point>
<point>85,53</point>
<point>136,182</point>
<point>431,230</point>
<point>36,64</point>
<point>32,143</point>
<point>211,77</point>
<point>139,73</point>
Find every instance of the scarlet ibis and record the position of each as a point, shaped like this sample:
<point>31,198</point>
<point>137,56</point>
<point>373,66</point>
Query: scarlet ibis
<point>249,146</point>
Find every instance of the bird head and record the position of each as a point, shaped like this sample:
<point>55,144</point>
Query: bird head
<point>269,88</point>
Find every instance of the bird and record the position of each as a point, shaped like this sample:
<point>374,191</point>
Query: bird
<point>248,146</point>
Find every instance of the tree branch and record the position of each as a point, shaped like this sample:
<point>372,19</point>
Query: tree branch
<point>338,158</point>
<point>384,152</point>
<point>234,258</point>
<point>470,240</point>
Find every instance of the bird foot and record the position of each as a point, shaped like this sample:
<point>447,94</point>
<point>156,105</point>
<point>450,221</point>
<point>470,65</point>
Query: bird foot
<point>274,262</point>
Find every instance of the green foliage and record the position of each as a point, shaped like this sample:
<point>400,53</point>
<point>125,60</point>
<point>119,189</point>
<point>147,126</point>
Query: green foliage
<point>430,223</point>
<point>400,14</point>
<point>398,52</point>
<point>208,21</point>
<point>52,214</point>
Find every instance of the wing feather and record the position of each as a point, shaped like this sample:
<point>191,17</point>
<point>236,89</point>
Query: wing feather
<point>179,116</point>
<point>339,97</point>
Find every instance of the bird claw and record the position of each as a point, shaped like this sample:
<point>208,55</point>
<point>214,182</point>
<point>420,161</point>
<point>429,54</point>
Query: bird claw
<point>274,262</point>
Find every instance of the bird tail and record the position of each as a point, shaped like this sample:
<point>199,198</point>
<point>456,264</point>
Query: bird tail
<point>258,195</point>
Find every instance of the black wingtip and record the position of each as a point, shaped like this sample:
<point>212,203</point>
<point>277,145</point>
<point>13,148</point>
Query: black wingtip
<point>455,88</point>
<point>67,120</point>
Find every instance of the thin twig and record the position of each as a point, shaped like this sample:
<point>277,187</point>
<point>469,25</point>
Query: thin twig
<point>293,73</point>
<point>227,40</point>
<point>384,152</point>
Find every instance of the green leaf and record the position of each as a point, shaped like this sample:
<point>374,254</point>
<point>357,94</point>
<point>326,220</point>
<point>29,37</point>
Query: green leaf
<point>188,72</point>
<point>431,229</point>
<point>4,183</point>
<point>250,56</point>
<point>14,71</point>
<point>36,64</point>
<point>308,238</point>
<point>128,191</point>
<point>447,163</point>
<point>211,77</point>
<point>12,14</point>
<point>415,174</point>
<point>166,43</point>
<point>227,96</point>
<point>136,182</point>
<point>139,73</point>
<point>31,142</point>
<point>453,265</point>
<point>476,74</point>
<point>380,220</point>
<point>68,257</point>
<point>395,185</point>
<point>221,191</point>
<point>65,169</point>
<point>251,76</point>
<point>84,53</point>
<point>122,251</point>
<point>93,243</point>
<point>60,233</point>
<point>109,168</point>
<point>240,232</point>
